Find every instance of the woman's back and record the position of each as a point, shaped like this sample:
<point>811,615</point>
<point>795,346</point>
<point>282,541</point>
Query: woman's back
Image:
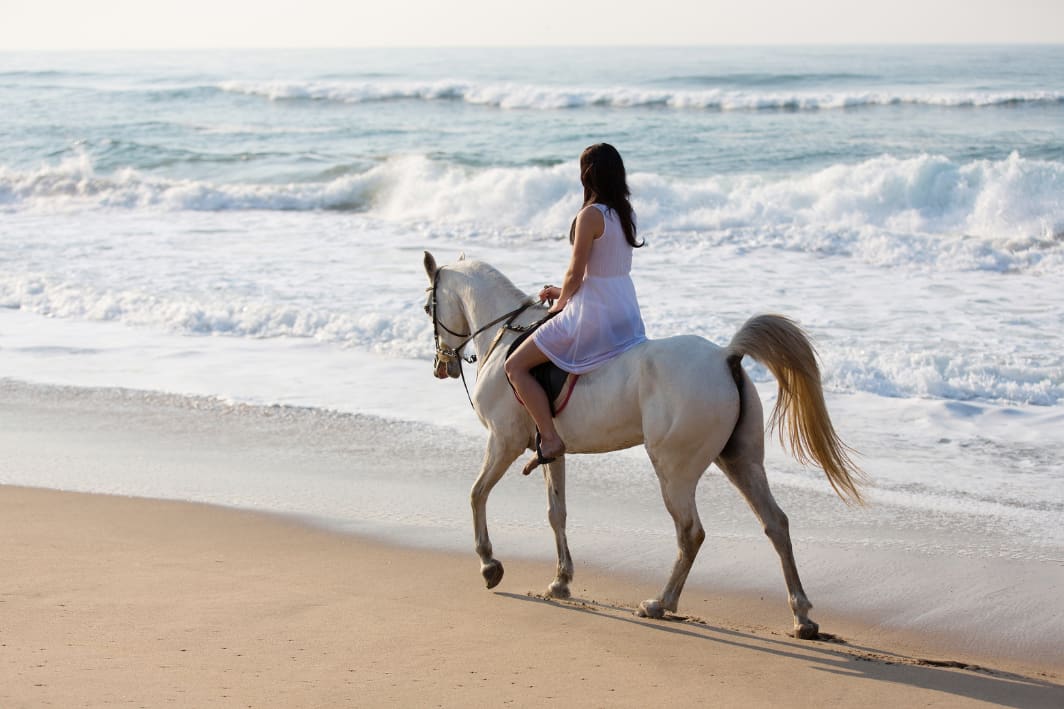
<point>611,254</point>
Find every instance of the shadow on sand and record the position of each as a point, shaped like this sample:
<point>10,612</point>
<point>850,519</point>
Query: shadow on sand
<point>837,656</point>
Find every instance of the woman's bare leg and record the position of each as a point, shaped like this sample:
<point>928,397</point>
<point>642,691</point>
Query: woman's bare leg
<point>518,370</point>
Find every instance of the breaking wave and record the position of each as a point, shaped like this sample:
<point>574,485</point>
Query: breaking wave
<point>996,215</point>
<point>545,97</point>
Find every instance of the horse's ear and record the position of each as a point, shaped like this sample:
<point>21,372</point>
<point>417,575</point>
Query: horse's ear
<point>430,265</point>
<point>461,256</point>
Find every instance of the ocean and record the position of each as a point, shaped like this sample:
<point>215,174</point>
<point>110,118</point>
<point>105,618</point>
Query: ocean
<point>249,226</point>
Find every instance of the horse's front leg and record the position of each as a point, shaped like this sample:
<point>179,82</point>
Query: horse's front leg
<point>554,475</point>
<point>497,458</point>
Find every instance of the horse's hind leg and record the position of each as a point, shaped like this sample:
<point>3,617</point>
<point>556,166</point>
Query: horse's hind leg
<point>554,475</point>
<point>747,473</point>
<point>678,484</point>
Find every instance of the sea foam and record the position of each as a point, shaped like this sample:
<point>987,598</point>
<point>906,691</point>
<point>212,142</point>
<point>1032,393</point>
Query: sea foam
<point>999,215</point>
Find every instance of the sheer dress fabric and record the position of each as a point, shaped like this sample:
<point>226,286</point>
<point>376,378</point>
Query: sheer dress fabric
<point>602,319</point>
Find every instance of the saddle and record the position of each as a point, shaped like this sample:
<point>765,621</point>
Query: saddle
<point>550,376</point>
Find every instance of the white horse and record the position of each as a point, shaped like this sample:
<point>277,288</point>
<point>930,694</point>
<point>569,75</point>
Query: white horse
<point>687,400</point>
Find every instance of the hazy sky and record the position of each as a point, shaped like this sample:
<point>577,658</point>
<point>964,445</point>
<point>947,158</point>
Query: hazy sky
<point>121,24</point>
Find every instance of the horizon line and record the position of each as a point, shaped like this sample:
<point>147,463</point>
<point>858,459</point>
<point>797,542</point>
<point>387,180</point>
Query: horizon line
<point>510,46</point>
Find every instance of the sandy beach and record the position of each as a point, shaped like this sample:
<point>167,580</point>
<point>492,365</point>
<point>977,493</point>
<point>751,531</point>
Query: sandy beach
<point>119,600</point>
<point>109,600</point>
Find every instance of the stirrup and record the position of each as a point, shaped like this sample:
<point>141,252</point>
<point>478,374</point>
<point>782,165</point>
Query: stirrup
<point>539,459</point>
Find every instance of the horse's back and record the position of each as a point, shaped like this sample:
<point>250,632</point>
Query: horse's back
<point>669,389</point>
<point>692,347</point>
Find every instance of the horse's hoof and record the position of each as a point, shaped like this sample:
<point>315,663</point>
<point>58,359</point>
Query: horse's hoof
<point>807,631</point>
<point>492,573</point>
<point>559,590</point>
<point>652,608</point>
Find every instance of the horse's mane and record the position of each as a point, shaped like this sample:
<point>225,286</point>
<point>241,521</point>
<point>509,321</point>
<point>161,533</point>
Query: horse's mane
<point>483,272</point>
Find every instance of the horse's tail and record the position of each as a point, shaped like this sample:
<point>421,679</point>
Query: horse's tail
<point>800,413</point>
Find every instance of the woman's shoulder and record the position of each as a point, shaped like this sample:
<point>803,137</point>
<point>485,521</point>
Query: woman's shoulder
<point>594,215</point>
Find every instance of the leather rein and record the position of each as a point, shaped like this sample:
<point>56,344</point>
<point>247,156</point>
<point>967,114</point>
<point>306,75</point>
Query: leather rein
<point>446,354</point>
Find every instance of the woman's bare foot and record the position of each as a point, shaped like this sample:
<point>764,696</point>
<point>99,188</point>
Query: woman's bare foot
<point>546,452</point>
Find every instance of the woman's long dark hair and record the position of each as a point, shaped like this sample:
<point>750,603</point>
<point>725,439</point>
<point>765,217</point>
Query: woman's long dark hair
<point>603,177</point>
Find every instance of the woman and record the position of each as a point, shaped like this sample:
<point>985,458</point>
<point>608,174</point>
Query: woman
<point>597,313</point>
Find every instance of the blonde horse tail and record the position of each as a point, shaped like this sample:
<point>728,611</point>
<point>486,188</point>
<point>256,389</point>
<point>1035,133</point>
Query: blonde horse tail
<point>800,415</point>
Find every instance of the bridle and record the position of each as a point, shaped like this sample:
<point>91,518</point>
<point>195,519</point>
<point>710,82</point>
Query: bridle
<point>446,355</point>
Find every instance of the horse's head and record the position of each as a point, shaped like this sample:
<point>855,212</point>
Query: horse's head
<point>448,321</point>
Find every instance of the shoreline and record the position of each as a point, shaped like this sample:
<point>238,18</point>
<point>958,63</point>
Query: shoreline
<point>167,600</point>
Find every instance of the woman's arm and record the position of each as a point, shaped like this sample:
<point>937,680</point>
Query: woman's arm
<point>589,226</point>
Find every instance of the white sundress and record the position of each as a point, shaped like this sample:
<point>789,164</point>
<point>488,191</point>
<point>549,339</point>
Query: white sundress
<point>602,319</point>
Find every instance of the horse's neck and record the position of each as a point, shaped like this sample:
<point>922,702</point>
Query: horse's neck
<point>485,302</point>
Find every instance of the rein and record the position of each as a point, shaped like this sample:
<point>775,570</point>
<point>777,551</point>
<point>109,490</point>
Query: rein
<point>446,354</point>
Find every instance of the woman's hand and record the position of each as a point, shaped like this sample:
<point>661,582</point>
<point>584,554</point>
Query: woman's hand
<point>550,293</point>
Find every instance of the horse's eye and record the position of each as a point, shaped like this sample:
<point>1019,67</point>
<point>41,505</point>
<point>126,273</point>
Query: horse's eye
<point>427,311</point>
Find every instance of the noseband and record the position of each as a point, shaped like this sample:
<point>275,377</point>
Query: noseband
<point>447,354</point>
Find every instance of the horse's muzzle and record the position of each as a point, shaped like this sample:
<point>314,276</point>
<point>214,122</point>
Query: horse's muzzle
<point>444,368</point>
